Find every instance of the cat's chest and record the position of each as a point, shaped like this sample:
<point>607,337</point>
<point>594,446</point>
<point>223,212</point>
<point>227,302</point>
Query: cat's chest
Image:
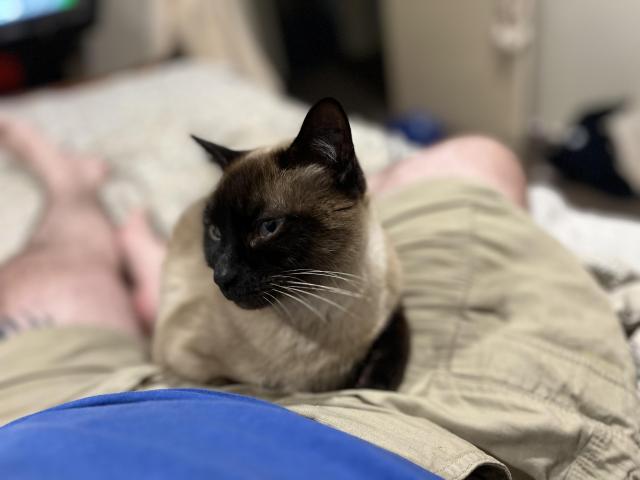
<point>269,350</point>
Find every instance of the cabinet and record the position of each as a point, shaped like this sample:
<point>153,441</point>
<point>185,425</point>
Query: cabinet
<point>498,66</point>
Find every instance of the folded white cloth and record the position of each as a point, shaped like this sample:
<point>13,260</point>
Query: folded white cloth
<point>598,239</point>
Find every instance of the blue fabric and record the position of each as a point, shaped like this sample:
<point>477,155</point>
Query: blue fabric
<point>190,434</point>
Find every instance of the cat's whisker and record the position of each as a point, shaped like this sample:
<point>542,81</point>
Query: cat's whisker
<point>359,294</point>
<point>357,286</point>
<point>263,297</point>
<point>293,297</point>
<point>297,277</point>
<point>346,281</point>
<point>334,272</point>
<point>349,289</point>
<point>280,304</point>
<point>285,309</point>
<point>347,274</point>
<point>294,280</point>
<point>321,298</point>
<point>354,282</point>
<point>316,286</point>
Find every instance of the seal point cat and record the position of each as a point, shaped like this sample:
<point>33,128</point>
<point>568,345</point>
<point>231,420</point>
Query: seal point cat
<point>283,276</point>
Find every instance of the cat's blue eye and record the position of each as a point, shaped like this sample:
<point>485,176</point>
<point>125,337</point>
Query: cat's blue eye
<point>214,233</point>
<point>270,227</point>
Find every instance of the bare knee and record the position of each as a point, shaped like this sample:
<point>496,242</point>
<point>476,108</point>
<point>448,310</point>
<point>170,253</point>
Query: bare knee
<point>474,158</point>
<point>479,152</point>
<point>484,160</point>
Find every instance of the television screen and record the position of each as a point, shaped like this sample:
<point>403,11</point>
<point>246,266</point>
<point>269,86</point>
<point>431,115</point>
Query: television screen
<point>13,11</point>
<point>24,20</point>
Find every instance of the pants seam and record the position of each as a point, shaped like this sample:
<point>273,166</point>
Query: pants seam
<point>468,280</point>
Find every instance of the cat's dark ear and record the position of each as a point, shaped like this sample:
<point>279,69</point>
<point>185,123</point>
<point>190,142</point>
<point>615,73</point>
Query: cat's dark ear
<point>325,139</point>
<point>221,155</point>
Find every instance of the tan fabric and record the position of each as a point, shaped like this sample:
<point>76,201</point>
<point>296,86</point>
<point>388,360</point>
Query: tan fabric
<point>515,351</point>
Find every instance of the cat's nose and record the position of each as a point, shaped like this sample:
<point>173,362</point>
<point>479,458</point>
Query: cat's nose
<point>224,276</point>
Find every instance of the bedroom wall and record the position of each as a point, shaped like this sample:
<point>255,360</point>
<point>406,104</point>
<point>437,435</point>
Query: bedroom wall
<point>589,51</point>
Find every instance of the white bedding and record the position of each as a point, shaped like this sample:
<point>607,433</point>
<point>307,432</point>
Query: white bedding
<point>600,240</point>
<point>140,122</point>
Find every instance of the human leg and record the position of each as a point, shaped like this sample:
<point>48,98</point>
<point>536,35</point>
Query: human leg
<point>144,252</point>
<point>476,159</point>
<point>69,272</point>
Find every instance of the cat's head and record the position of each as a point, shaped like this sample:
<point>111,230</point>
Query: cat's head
<point>279,214</point>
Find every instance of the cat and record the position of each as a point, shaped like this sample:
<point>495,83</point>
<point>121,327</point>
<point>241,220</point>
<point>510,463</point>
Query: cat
<point>283,277</point>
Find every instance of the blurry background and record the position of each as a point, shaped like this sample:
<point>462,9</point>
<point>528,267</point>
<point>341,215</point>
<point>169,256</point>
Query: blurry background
<point>558,81</point>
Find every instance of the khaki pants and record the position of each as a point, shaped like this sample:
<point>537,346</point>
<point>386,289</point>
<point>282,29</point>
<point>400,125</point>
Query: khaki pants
<point>519,367</point>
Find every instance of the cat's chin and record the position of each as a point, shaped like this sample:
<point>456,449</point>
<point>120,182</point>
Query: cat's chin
<point>251,303</point>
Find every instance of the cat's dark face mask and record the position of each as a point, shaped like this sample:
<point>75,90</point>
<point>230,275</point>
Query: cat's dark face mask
<point>279,218</point>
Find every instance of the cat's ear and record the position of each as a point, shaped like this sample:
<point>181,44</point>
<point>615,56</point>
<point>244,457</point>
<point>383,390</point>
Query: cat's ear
<point>325,139</point>
<point>221,155</point>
